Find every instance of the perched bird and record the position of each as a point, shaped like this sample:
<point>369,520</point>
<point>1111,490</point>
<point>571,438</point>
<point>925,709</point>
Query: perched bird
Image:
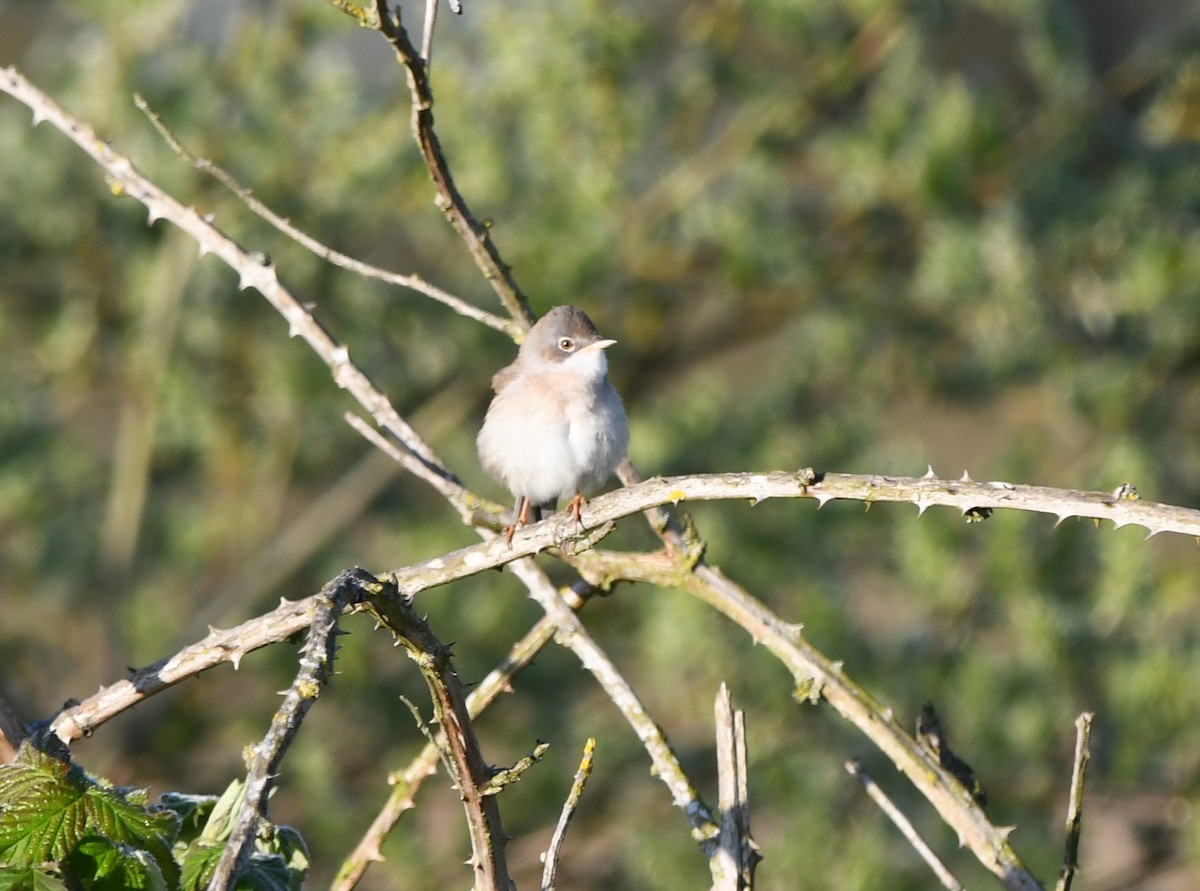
<point>556,426</point>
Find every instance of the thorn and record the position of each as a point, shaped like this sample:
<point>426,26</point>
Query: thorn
<point>38,117</point>
<point>209,217</point>
<point>244,283</point>
<point>922,506</point>
<point>889,715</point>
<point>1006,831</point>
<point>823,499</point>
<point>1060,519</point>
<point>1125,492</point>
<point>152,215</point>
<point>965,478</point>
<point>235,659</point>
<point>929,474</point>
<point>1151,532</point>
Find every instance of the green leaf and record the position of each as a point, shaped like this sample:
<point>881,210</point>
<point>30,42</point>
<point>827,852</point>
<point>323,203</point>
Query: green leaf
<point>101,864</point>
<point>199,862</point>
<point>48,806</point>
<point>192,811</point>
<point>14,878</point>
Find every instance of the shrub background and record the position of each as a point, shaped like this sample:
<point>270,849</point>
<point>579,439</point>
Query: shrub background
<point>862,236</point>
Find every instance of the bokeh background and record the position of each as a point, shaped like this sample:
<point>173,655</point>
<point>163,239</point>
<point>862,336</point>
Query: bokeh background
<point>862,236</point>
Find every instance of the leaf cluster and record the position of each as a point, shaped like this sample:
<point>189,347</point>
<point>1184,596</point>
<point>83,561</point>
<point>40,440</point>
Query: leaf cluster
<point>62,829</point>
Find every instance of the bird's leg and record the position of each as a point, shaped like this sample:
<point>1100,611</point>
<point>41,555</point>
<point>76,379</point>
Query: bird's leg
<point>521,509</point>
<point>575,507</point>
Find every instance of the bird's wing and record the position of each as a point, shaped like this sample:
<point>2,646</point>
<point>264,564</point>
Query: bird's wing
<point>504,377</point>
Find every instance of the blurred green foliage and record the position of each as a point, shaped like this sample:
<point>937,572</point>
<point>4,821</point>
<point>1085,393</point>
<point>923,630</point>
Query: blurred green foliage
<point>864,236</point>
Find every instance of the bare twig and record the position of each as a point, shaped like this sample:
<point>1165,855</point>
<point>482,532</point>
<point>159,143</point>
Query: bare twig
<point>1083,733</point>
<point>431,10</point>
<point>816,678</point>
<point>463,759</point>
<point>316,666</point>
<point>550,858</point>
<point>854,767</point>
<point>572,634</point>
<point>450,201</point>
<point>253,272</point>
<point>337,258</point>
<point>737,854</point>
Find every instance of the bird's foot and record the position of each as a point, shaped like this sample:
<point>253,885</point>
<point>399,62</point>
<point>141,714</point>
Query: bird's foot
<point>521,509</point>
<point>575,507</point>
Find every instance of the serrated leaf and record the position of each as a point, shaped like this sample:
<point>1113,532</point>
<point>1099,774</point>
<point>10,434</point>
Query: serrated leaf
<point>48,806</point>
<point>27,879</point>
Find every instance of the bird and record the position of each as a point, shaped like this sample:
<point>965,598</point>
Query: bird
<point>556,425</point>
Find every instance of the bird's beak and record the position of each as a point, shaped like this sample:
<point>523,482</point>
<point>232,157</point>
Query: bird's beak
<point>599,345</point>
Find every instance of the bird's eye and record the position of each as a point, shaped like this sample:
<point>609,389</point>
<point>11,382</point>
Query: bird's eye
<point>566,344</point>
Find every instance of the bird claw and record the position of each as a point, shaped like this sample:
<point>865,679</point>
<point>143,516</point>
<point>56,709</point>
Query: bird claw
<point>575,507</point>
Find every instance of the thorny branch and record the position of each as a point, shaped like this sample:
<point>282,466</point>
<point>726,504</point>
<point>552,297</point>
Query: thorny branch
<point>450,201</point>
<point>463,758</point>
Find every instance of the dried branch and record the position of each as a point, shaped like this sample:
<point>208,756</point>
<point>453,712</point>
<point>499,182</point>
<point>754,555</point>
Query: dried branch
<point>817,677</point>
<point>550,858</point>
<point>737,854</point>
<point>855,768</point>
<point>1083,734</point>
<point>289,618</point>
<point>330,255</point>
<point>572,634</point>
<point>470,773</point>
<point>450,201</point>
<point>316,666</point>
<point>125,179</point>
<point>431,10</point>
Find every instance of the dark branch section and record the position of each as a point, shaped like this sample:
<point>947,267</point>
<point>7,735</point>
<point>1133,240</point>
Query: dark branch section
<point>316,667</point>
<point>461,753</point>
<point>449,200</point>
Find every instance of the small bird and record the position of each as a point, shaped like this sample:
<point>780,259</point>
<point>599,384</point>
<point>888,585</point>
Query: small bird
<point>556,426</point>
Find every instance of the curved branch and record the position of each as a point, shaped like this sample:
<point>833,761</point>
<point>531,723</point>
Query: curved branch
<point>306,241</point>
